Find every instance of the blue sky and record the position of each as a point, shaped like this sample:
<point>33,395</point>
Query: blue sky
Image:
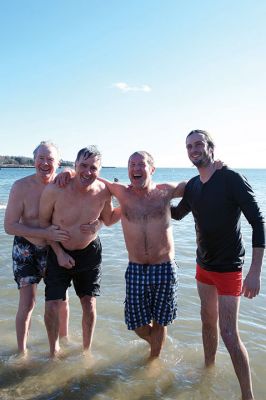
<point>134,75</point>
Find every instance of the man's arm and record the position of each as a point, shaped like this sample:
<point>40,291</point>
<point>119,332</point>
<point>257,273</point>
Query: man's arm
<point>180,211</point>
<point>116,189</point>
<point>46,209</point>
<point>245,198</point>
<point>109,214</point>
<point>179,189</point>
<point>14,226</point>
<point>251,285</point>
<point>183,208</point>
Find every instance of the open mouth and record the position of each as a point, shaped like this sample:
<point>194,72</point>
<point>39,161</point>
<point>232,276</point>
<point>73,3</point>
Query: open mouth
<point>137,176</point>
<point>85,179</point>
<point>45,170</point>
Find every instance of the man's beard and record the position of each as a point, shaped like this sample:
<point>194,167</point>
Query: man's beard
<point>205,161</point>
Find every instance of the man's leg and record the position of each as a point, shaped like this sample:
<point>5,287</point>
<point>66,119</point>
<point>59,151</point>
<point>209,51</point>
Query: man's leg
<point>209,317</point>
<point>89,315</point>
<point>51,318</point>
<point>228,317</point>
<point>27,296</point>
<point>144,332</point>
<point>158,336</point>
<point>155,335</point>
<point>64,319</point>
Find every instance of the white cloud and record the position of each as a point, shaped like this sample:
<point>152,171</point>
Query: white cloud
<point>124,87</point>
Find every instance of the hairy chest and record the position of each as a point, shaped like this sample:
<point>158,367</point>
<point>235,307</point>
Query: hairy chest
<point>146,208</point>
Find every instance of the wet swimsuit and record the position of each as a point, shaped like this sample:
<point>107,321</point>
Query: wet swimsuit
<point>151,294</point>
<point>226,283</point>
<point>86,274</point>
<point>29,262</point>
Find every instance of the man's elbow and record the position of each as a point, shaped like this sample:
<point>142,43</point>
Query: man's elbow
<point>107,222</point>
<point>8,228</point>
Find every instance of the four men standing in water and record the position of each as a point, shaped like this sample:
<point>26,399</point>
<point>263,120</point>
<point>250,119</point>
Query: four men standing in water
<point>216,199</point>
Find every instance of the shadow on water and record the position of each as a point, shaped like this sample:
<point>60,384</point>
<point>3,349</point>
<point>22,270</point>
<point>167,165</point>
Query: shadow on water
<point>128,375</point>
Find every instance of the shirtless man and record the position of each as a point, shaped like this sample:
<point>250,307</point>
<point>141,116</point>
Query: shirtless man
<point>151,276</point>
<point>73,207</point>
<point>29,249</point>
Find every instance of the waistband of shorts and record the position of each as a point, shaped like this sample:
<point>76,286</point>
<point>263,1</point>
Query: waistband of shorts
<point>166,263</point>
<point>78,252</point>
<point>222,269</point>
<point>21,239</point>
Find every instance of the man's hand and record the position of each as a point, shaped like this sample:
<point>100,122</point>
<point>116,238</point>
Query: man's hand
<point>92,227</point>
<point>219,164</point>
<point>251,285</point>
<point>65,260</point>
<point>63,178</point>
<point>55,234</point>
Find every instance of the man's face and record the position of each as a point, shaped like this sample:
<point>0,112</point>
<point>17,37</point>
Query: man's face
<point>139,171</point>
<point>198,150</point>
<point>87,170</point>
<point>46,162</point>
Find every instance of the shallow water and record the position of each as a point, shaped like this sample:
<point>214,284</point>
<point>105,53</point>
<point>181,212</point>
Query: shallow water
<point>118,367</point>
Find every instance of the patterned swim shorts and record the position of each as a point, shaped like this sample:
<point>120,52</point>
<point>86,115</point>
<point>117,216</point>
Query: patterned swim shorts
<point>29,262</point>
<point>151,294</point>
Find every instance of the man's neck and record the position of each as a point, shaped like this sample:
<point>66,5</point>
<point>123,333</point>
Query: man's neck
<point>44,180</point>
<point>144,190</point>
<point>79,188</point>
<point>207,172</point>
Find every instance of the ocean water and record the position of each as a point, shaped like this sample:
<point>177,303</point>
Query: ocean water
<point>117,369</point>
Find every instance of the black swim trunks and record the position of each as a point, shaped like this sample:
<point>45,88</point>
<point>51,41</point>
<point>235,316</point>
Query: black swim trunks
<point>85,275</point>
<point>29,262</point>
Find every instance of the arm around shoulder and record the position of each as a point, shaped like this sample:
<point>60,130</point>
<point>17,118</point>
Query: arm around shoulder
<point>180,189</point>
<point>109,214</point>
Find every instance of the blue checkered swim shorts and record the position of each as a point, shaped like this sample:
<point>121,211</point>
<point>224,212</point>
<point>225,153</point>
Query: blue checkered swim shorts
<point>151,294</point>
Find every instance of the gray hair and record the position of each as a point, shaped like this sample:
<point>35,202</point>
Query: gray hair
<point>87,152</point>
<point>46,143</point>
<point>149,157</point>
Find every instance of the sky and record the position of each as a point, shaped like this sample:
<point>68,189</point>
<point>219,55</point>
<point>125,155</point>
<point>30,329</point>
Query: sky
<point>134,75</point>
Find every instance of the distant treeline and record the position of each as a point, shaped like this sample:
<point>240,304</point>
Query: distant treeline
<point>21,161</point>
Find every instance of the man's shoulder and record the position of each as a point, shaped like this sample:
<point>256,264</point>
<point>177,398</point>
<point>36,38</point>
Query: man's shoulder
<point>192,181</point>
<point>164,186</point>
<point>24,183</point>
<point>52,188</point>
<point>26,180</point>
<point>230,173</point>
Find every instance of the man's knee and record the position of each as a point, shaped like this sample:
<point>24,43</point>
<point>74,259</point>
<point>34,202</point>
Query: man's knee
<point>88,304</point>
<point>52,307</point>
<point>208,318</point>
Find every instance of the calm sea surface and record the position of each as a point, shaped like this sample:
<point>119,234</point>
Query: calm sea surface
<point>118,368</point>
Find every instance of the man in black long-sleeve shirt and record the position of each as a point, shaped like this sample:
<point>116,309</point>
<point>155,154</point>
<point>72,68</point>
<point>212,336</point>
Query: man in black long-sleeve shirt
<point>216,198</point>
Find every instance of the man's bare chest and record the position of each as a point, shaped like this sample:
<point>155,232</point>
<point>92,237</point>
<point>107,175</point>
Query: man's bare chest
<point>31,205</point>
<point>145,209</point>
<point>73,209</point>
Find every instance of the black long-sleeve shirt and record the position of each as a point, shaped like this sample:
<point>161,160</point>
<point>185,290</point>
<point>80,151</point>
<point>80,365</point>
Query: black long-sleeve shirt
<point>216,206</point>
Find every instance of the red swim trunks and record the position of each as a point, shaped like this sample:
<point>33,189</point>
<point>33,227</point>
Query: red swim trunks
<point>226,283</point>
